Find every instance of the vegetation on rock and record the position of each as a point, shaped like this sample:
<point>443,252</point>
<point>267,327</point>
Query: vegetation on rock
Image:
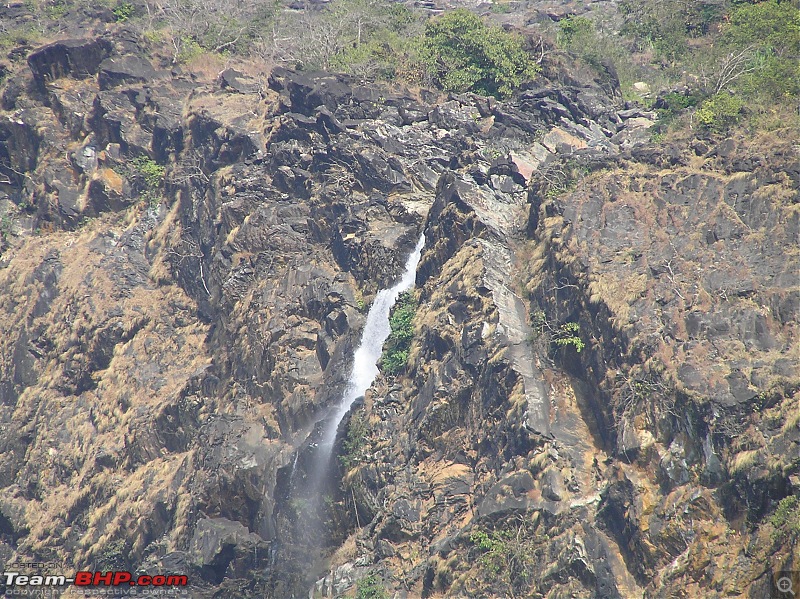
<point>398,345</point>
<point>370,587</point>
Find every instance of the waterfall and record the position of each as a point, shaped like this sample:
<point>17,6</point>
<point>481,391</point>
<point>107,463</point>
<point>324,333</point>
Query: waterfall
<point>304,510</point>
<point>365,360</point>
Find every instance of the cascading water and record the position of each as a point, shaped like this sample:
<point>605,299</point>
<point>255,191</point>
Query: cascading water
<point>306,513</point>
<point>365,360</point>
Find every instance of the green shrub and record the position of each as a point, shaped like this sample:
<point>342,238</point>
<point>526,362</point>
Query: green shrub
<point>123,11</point>
<point>786,518</point>
<point>354,442</point>
<point>152,175</point>
<point>501,9</point>
<point>573,30</point>
<point>463,54</point>
<point>188,49</point>
<point>719,112</point>
<point>507,555</point>
<point>395,353</point>
<point>6,227</point>
<point>666,26</point>
<point>568,335</point>
<point>370,587</point>
<point>771,30</point>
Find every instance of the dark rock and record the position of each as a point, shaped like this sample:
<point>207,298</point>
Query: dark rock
<point>120,70</point>
<point>217,542</point>
<point>79,58</point>
<point>236,81</point>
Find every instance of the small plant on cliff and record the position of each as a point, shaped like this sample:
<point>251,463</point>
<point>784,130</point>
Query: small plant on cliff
<point>395,353</point>
<point>568,335</point>
<point>354,442</point>
<point>370,587</point>
<point>114,556</point>
<point>6,227</point>
<point>123,11</point>
<point>786,518</point>
<point>507,555</point>
<point>719,112</point>
<point>152,175</point>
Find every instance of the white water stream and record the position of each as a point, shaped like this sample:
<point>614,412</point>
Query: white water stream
<point>365,360</point>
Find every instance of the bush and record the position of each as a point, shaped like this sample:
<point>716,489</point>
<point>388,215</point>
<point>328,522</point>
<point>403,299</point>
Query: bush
<point>568,335</point>
<point>370,587</point>
<point>152,176</point>
<point>786,518</point>
<point>573,30</point>
<point>507,555</point>
<point>395,353</point>
<point>719,112</point>
<point>463,54</point>
<point>354,442</point>
<point>123,11</point>
<point>771,31</point>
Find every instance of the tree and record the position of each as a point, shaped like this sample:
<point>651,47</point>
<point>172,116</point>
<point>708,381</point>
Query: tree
<point>461,53</point>
<point>770,33</point>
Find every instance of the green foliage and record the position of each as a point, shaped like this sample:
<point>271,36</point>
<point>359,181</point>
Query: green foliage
<point>507,555</point>
<point>719,112</point>
<point>602,50</point>
<point>370,587</point>
<point>372,39</point>
<point>385,57</point>
<point>56,10</point>
<point>786,518</point>
<point>152,175</point>
<point>6,227</point>
<point>500,8</point>
<point>771,24</point>
<point>150,170</point>
<point>573,30</point>
<point>188,49</point>
<point>463,54</point>
<point>482,540</point>
<point>114,555</point>
<point>659,26</point>
<point>395,353</point>
<point>25,33</point>
<point>568,335</point>
<point>123,11</point>
<point>354,442</point>
<point>675,102</point>
<point>771,30</point>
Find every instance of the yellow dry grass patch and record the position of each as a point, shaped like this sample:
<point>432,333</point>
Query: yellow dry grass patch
<point>743,460</point>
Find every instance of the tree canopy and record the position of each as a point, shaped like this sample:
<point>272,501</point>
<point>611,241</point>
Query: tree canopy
<point>461,53</point>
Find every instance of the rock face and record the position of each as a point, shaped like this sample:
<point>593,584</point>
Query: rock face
<point>601,394</point>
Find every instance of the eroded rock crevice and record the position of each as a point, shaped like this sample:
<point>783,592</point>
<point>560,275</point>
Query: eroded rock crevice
<point>601,387</point>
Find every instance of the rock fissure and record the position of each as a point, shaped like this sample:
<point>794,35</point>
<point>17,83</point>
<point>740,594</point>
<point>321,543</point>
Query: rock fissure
<point>601,383</point>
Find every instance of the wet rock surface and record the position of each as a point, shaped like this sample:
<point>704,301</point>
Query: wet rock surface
<point>165,359</point>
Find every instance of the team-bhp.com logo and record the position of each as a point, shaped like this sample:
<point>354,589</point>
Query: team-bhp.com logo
<point>121,578</point>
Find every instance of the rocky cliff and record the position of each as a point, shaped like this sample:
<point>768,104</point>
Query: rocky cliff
<point>601,397</point>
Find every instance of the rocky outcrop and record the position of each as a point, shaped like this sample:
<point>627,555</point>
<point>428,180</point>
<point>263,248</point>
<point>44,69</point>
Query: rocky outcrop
<point>599,394</point>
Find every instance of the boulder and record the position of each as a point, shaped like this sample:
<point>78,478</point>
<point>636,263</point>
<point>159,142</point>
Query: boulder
<point>120,70</point>
<point>217,542</point>
<point>561,142</point>
<point>237,82</point>
<point>79,58</point>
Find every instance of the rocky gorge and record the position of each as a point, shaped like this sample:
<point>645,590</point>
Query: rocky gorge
<point>601,392</point>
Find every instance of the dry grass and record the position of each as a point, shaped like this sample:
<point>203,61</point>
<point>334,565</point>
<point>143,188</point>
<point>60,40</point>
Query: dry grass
<point>82,501</point>
<point>743,460</point>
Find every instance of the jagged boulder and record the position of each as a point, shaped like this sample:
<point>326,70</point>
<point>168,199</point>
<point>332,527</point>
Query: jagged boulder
<point>119,70</point>
<point>79,58</point>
